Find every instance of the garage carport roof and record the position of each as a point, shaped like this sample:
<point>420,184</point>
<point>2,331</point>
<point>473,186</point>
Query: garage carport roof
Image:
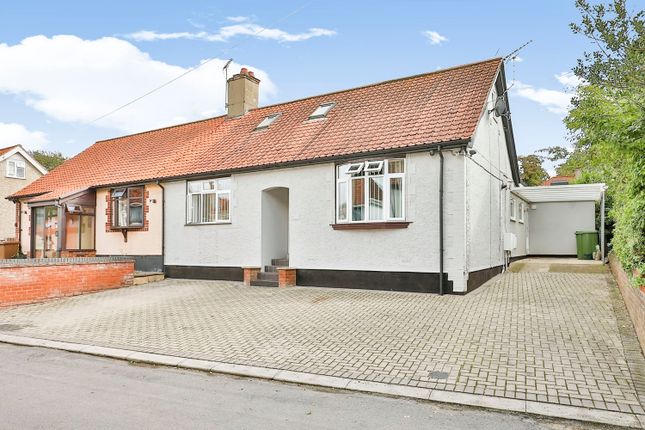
<point>562,193</point>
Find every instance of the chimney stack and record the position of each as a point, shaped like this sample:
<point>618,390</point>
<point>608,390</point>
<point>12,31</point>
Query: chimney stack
<point>243,90</point>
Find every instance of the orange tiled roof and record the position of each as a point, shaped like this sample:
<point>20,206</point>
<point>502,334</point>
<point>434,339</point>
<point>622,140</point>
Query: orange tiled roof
<point>437,107</point>
<point>550,181</point>
<point>7,149</point>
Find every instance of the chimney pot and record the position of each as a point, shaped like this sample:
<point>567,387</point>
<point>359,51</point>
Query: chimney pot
<point>251,74</point>
<point>244,71</point>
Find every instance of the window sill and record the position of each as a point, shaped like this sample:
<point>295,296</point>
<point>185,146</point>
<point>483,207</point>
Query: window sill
<point>371,225</point>
<point>130,227</point>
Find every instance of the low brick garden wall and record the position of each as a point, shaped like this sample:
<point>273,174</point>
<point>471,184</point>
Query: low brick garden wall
<point>634,299</point>
<point>35,280</point>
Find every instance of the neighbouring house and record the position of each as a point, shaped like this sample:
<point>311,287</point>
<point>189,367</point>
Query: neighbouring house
<point>559,180</point>
<point>400,185</point>
<point>17,170</point>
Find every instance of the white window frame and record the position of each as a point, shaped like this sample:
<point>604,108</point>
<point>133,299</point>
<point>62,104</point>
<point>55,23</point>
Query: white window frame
<point>520,215</point>
<point>267,121</point>
<point>345,179</point>
<point>205,191</point>
<point>513,209</point>
<point>322,109</point>
<point>17,164</point>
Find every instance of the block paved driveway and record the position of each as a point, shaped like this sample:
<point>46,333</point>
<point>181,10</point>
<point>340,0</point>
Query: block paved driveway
<point>550,337</point>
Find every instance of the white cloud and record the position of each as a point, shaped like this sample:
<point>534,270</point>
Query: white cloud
<point>434,37</point>
<point>568,79</point>
<point>16,134</point>
<point>75,80</point>
<point>241,27</point>
<point>555,101</point>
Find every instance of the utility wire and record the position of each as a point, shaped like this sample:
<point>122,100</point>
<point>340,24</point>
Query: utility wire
<point>192,69</point>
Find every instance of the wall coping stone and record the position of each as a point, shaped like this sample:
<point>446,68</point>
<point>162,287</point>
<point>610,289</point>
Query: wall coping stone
<point>39,262</point>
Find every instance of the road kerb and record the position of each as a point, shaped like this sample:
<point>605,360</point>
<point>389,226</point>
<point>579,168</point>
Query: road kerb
<point>498,403</point>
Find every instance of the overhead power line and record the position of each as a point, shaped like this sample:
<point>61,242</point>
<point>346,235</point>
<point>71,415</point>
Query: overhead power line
<point>203,63</point>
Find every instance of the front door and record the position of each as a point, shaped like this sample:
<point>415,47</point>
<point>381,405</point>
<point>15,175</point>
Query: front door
<point>45,232</point>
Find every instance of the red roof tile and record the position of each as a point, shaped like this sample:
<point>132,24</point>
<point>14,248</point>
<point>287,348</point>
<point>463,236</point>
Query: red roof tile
<point>7,149</point>
<point>441,106</point>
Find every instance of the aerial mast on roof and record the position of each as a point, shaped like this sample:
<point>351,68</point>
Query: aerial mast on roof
<point>225,70</point>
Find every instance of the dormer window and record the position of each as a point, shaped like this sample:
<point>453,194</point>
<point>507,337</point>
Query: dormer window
<point>16,169</point>
<point>266,122</point>
<point>322,110</point>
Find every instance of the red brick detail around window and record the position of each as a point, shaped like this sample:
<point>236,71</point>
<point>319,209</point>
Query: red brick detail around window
<point>28,282</point>
<point>108,213</point>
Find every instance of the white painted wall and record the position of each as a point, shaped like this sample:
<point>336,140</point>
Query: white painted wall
<point>519,228</point>
<point>313,244</point>
<point>553,225</point>
<point>486,202</point>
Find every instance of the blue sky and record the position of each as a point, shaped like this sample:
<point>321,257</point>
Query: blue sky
<point>65,63</point>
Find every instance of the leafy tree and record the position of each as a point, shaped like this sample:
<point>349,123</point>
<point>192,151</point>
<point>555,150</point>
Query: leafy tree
<point>531,170</point>
<point>607,122</point>
<point>49,159</point>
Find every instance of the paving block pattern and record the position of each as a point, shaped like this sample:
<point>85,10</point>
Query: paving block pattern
<point>548,337</point>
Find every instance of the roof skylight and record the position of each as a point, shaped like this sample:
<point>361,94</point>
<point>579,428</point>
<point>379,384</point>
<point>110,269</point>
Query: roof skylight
<point>322,110</point>
<point>266,122</point>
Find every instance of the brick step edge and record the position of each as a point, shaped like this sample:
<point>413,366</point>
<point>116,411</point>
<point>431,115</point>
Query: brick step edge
<point>265,283</point>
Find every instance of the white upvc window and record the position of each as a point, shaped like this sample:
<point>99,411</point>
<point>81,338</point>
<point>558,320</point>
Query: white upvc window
<point>371,191</point>
<point>16,169</point>
<point>513,210</point>
<point>520,215</point>
<point>209,201</point>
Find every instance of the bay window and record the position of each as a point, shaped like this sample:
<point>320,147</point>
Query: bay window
<point>127,207</point>
<point>371,191</point>
<point>208,201</point>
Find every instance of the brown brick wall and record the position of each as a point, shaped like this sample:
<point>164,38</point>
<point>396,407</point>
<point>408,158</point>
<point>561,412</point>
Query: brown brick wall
<point>634,299</point>
<point>29,284</point>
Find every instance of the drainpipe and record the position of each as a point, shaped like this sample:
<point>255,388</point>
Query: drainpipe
<point>440,221</point>
<point>163,227</point>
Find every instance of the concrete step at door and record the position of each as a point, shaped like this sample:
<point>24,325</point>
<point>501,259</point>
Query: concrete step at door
<point>268,276</point>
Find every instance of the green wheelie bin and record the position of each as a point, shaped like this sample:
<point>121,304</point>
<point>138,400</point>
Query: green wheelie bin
<point>586,242</point>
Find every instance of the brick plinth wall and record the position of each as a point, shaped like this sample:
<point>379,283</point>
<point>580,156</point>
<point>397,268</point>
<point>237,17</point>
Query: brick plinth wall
<point>250,274</point>
<point>36,280</point>
<point>286,277</point>
<point>634,298</point>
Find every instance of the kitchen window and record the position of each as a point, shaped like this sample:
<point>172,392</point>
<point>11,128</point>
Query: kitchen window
<point>209,201</point>
<point>127,207</point>
<point>371,191</point>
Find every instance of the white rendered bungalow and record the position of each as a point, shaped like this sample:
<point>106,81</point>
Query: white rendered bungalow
<point>400,185</point>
